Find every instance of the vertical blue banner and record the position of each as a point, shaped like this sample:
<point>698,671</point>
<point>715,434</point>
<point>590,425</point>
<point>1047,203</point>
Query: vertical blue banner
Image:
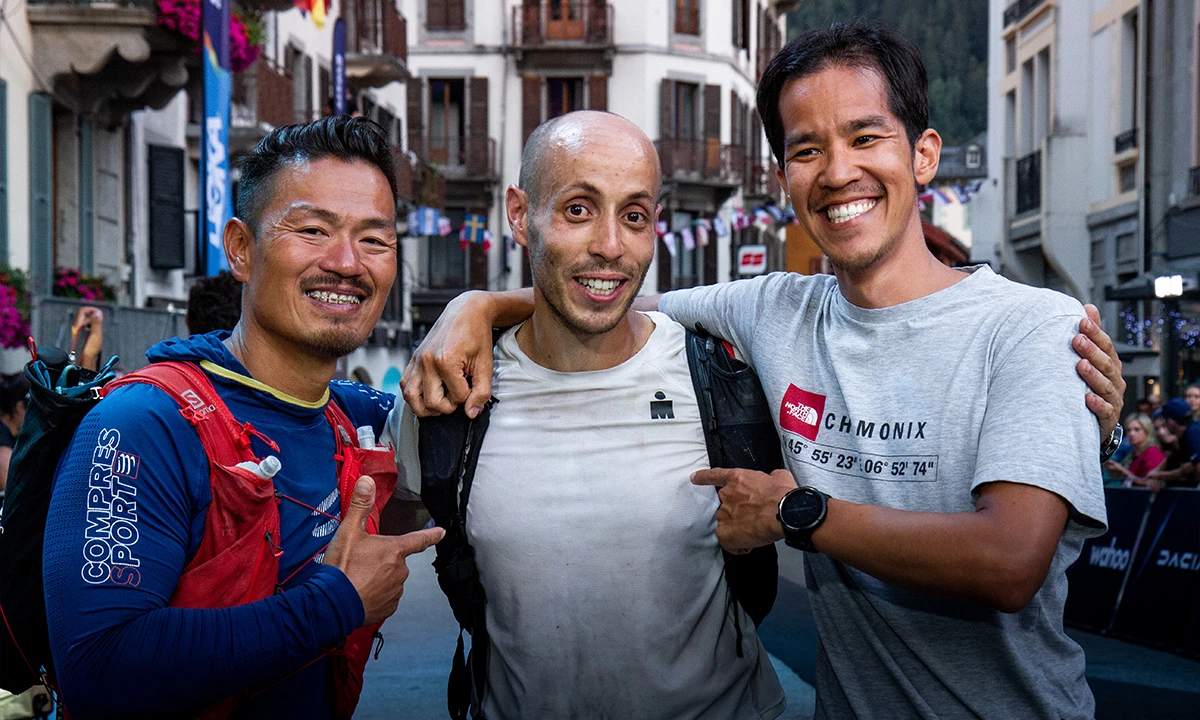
<point>214,169</point>
<point>339,67</point>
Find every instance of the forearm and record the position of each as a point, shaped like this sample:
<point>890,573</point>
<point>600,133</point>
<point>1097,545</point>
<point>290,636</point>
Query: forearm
<point>646,303</point>
<point>191,658</point>
<point>505,307</point>
<point>968,555</point>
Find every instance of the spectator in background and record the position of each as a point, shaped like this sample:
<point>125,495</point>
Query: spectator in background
<point>91,318</point>
<point>1192,396</point>
<point>1181,469</point>
<point>1146,456</point>
<point>1146,406</point>
<point>14,397</point>
<point>214,303</point>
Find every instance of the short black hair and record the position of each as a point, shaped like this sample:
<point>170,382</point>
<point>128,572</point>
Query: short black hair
<point>214,303</point>
<point>855,44</point>
<point>338,136</point>
<point>13,389</point>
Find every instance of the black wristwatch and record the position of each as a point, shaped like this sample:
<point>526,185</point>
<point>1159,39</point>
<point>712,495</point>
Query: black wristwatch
<point>801,512</point>
<point>1109,447</point>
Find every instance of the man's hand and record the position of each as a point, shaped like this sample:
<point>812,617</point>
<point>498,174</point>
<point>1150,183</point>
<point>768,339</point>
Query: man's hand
<point>374,564</point>
<point>93,319</point>
<point>749,512</point>
<point>1101,370</point>
<point>453,365</point>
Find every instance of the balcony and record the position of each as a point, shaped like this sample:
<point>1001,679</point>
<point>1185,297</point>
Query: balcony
<point>464,158</point>
<point>1020,10</point>
<point>700,161</point>
<point>106,59</point>
<point>376,44</point>
<point>1125,141</point>
<point>563,35</point>
<point>759,183</point>
<point>1029,183</point>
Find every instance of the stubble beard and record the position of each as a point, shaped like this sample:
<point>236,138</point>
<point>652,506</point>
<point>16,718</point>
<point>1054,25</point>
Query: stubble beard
<point>544,267</point>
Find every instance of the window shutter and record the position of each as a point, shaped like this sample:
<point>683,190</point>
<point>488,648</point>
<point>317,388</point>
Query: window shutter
<point>666,103</point>
<point>597,25</point>
<point>455,15</point>
<point>41,192</point>
<point>598,92</point>
<point>710,260</point>
<point>416,116</point>
<point>166,208</point>
<point>87,198</point>
<point>435,14</point>
<point>531,104</point>
<point>3,171</point>
<point>712,130</point>
<point>477,132</point>
<point>664,265</point>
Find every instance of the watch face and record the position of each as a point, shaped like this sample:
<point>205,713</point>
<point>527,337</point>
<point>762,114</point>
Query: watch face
<point>802,508</point>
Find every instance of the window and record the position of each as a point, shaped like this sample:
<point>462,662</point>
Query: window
<point>1099,261</point>
<point>974,157</point>
<point>325,89</point>
<point>687,266</point>
<point>685,111</point>
<point>1010,55</point>
<point>1129,72</point>
<point>1127,177</point>
<point>167,242</point>
<point>563,95</point>
<point>3,171</point>
<point>388,122</point>
<point>301,68</point>
<point>447,263</point>
<point>741,24</point>
<point>687,17</point>
<point>445,15</point>
<point>446,120</point>
<point>1127,250</point>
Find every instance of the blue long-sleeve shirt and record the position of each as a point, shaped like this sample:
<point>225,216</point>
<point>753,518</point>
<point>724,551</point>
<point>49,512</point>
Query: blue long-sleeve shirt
<point>127,515</point>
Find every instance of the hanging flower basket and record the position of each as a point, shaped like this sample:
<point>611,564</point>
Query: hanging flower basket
<point>245,30</point>
<point>71,283</point>
<point>14,307</point>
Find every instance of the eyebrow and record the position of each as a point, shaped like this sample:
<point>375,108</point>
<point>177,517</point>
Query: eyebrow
<point>329,216</point>
<point>591,189</point>
<point>849,127</point>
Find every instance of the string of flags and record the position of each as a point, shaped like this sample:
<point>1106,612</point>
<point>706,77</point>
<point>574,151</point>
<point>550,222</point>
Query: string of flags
<point>700,231</point>
<point>950,193</point>
<point>431,221</point>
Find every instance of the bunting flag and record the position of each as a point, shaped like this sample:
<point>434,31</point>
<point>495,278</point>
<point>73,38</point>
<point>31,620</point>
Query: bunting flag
<point>669,240</point>
<point>762,218</point>
<point>924,199</point>
<point>702,222</point>
<point>444,226</point>
<point>720,227</point>
<point>775,212</point>
<point>315,8</point>
<point>474,230</point>
<point>689,240</point>
<point>424,221</point>
<point>739,220</point>
<point>702,235</point>
<point>660,228</point>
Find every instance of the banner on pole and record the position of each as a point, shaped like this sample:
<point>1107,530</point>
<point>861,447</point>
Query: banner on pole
<point>215,188</point>
<point>339,67</point>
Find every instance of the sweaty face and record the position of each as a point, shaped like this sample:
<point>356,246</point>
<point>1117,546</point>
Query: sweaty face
<point>325,257</point>
<point>848,165</point>
<point>592,238</point>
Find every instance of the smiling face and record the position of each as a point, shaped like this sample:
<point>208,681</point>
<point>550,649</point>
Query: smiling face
<point>318,275</point>
<point>850,170</point>
<point>591,235</point>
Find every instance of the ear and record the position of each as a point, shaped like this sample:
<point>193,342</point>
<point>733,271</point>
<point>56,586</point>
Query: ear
<point>782,179</point>
<point>516,206</point>
<point>239,241</point>
<point>926,155</point>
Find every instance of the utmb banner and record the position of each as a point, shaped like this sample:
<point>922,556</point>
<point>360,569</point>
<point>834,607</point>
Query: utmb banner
<point>215,196</point>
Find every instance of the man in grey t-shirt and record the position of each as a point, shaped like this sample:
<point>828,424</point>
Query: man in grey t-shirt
<point>910,399</point>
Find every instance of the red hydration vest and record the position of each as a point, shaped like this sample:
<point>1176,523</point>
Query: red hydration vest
<point>237,561</point>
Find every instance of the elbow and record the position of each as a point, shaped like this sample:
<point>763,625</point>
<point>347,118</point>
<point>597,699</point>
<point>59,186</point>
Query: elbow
<point>1011,584</point>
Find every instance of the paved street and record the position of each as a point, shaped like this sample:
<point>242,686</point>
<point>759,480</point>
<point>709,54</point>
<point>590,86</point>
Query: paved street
<point>408,680</point>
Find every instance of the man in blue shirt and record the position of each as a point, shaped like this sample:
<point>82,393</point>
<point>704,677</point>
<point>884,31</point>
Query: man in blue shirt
<point>1178,414</point>
<point>315,247</point>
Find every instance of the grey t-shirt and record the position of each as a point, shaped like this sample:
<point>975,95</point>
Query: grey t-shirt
<point>914,407</point>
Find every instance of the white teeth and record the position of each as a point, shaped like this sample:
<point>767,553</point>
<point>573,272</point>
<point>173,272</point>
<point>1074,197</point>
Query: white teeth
<point>334,298</point>
<point>600,287</point>
<point>849,211</point>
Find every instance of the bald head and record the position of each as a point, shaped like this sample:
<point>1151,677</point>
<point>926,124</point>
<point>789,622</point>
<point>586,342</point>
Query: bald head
<point>576,132</point>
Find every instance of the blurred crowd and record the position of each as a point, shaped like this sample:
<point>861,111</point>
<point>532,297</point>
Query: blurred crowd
<point>1161,447</point>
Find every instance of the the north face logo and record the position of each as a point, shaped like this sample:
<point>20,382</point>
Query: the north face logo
<point>661,408</point>
<point>800,412</point>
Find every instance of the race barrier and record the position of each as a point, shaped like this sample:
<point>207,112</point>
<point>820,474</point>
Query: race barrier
<point>1141,580</point>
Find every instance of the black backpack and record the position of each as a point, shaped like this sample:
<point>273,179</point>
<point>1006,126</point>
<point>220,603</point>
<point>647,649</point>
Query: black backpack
<point>60,394</point>
<point>739,431</point>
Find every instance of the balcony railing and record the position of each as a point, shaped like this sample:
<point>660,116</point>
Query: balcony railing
<point>1125,141</point>
<point>700,160</point>
<point>563,22</point>
<point>472,157</point>
<point>1029,182</point>
<point>380,30</point>
<point>1020,9</point>
<point>128,331</point>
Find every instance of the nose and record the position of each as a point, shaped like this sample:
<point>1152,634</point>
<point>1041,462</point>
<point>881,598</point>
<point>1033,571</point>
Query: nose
<point>342,257</point>
<point>840,169</point>
<point>607,243</point>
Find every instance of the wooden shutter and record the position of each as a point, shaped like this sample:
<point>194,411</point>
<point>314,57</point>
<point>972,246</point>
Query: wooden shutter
<point>416,116</point>
<point>87,198</point>
<point>477,131</point>
<point>477,260</point>
<point>41,194</point>
<point>531,22</point>
<point>597,22</point>
<point>435,14</point>
<point>3,171</point>
<point>598,92</point>
<point>531,105</point>
<point>710,260</point>
<point>664,265</point>
<point>666,110</point>
<point>712,130</point>
<point>456,18</point>
<point>166,207</point>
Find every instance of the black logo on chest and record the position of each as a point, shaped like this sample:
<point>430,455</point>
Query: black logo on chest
<point>660,407</point>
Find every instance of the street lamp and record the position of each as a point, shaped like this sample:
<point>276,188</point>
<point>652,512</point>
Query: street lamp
<point>1166,286</point>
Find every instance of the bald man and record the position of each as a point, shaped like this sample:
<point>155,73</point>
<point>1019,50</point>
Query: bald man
<point>598,558</point>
